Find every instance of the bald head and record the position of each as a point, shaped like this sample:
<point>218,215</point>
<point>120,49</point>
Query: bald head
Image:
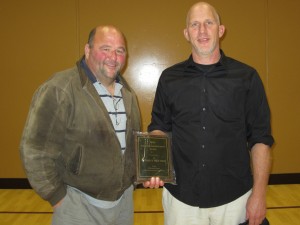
<point>200,7</point>
<point>102,31</point>
<point>106,54</point>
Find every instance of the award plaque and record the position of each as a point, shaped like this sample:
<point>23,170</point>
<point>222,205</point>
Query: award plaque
<point>153,157</point>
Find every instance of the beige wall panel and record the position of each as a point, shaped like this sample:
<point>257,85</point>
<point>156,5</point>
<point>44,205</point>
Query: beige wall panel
<point>37,39</point>
<point>245,38</point>
<point>284,78</point>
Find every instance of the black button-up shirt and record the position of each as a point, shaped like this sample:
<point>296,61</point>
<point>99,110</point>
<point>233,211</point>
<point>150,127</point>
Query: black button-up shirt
<point>215,114</point>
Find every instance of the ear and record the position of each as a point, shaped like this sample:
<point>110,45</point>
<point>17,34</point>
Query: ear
<point>186,34</point>
<point>87,50</point>
<point>221,30</point>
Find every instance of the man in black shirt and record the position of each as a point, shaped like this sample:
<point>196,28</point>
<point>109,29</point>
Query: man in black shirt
<point>216,110</point>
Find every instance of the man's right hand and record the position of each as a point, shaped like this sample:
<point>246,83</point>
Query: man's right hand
<point>154,182</point>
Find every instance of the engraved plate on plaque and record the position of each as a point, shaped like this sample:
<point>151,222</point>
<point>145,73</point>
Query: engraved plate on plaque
<point>153,157</point>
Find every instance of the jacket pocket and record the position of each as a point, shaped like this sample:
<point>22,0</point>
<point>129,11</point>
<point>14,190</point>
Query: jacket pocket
<point>74,163</point>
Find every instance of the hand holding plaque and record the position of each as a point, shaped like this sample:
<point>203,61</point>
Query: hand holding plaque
<point>153,157</point>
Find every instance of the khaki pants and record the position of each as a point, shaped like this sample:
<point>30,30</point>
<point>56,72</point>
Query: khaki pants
<point>178,213</point>
<point>76,210</point>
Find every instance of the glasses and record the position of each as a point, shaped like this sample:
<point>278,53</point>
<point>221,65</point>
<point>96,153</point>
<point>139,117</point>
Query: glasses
<point>116,107</point>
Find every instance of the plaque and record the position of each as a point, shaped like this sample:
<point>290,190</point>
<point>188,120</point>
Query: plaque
<point>153,157</point>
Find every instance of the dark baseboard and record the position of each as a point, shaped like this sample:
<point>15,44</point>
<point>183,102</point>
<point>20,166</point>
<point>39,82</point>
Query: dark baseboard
<point>14,183</point>
<point>22,183</point>
<point>285,178</point>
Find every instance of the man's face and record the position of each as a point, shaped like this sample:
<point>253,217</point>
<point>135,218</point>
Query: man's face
<point>107,56</point>
<point>203,30</point>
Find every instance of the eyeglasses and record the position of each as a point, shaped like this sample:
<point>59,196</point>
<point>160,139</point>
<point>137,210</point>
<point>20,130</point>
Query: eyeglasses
<point>116,107</point>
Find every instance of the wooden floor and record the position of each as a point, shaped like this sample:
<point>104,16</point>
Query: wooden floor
<point>24,207</point>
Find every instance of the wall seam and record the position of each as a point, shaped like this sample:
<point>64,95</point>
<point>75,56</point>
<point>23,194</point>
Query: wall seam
<point>267,44</point>
<point>77,28</point>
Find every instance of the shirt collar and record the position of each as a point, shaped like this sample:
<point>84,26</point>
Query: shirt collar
<point>219,66</point>
<point>191,64</point>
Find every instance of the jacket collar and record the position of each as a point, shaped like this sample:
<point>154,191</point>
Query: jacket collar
<point>87,83</point>
<point>89,73</point>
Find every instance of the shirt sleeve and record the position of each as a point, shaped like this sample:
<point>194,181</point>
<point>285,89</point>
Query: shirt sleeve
<point>258,114</point>
<point>161,114</point>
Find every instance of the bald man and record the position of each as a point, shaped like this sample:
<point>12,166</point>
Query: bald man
<point>77,146</point>
<point>216,110</point>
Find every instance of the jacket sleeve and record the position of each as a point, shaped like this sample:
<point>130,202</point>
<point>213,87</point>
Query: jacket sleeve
<point>42,141</point>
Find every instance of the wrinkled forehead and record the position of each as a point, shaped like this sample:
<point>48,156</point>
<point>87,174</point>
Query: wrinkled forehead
<point>110,36</point>
<point>202,12</point>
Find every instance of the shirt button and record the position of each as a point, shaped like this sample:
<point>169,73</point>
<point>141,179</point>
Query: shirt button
<point>203,127</point>
<point>203,109</point>
<point>203,146</point>
<point>203,165</point>
<point>204,90</point>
